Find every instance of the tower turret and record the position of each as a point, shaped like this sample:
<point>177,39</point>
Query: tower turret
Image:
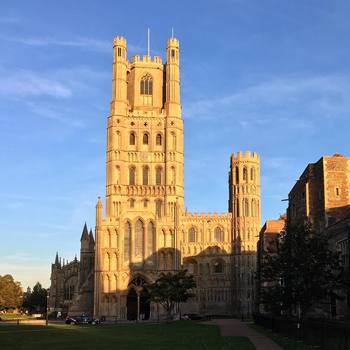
<point>173,107</point>
<point>244,204</point>
<point>119,102</point>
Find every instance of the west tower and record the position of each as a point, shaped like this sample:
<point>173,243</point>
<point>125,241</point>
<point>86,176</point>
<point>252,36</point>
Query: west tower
<point>144,174</point>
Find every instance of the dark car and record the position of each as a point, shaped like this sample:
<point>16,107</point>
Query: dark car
<point>82,319</point>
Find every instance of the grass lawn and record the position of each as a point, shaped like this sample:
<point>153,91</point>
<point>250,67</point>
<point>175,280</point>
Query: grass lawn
<point>176,335</point>
<point>285,342</point>
<point>14,317</point>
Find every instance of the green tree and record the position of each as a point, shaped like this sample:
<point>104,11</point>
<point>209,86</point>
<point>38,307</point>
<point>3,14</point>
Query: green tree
<point>301,272</point>
<point>36,300</point>
<point>10,293</point>
<point>170,289</point>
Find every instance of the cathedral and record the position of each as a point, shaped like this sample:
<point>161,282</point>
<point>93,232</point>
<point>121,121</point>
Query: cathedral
<point>142,227</point>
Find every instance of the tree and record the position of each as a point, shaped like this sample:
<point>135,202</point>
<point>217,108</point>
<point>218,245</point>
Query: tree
<point>10,293</point>
<point>301,272</point>
<point>36,300</point>
<point>171,288</point>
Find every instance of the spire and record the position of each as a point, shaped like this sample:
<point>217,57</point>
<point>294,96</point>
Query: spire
<point>91,236</point>
<point>56,259</point>
<point>75,258</point>
<point>85,234</point>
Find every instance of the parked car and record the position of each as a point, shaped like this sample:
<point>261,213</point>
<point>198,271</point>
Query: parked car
<point>82,319</point>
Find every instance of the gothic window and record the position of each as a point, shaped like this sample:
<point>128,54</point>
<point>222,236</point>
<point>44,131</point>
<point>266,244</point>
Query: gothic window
<point>164,238</point>
<point>151,239</point>
<point>159,139</point>
<point>193,267</point>
<point>237,208</point>
<point>132,202</point>
<point>192,235</point>
<point>218,266</point>
<point>252,174</point>
<point>119,51</point>
<point>237,175</point>
<point>132,175</point>
<point>132,139</point>
<point>117,174</point>
<point>146,85</point>
<point>127,241</point>
<point>218,234</point>
<point>172,176</point>
<point>145,139</point>
<point>173,141</point>
<point>253,208</point>
<point>139,239</point>
<point>246,207</point>
<point>145,203</point>
<point>245,174</point>
<point>158,176</point>
<point>145,175</point>
<point>159,208</point>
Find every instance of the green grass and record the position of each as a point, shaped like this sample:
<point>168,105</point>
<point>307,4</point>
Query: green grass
<point>285,342</point>
<point>14,317</point>
<point>177,335</point>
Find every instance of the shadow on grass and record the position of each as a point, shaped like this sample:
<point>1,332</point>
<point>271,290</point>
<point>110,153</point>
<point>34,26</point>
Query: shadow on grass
<point>176,335</point>
<point>285,342</point>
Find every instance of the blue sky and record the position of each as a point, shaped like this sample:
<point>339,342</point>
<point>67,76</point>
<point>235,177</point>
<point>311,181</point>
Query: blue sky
<point>271,76</point>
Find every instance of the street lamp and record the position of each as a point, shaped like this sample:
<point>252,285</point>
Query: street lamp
<point>47,308</point>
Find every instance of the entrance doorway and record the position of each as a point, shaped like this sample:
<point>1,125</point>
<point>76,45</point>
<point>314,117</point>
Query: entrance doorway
<point>137,288</point>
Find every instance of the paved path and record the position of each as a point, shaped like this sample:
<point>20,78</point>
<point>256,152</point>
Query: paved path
<point>236,328</point>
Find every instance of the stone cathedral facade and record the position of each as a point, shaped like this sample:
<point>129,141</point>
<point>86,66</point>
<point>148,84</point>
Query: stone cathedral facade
<point>145,229</point>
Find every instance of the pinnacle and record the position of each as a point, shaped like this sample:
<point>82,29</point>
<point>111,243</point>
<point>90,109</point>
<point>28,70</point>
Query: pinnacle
<point>85,234</point>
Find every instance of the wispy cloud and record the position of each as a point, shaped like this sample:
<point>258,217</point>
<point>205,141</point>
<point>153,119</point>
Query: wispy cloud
<point>26,83</point>
<point>92,44</point>
<point>292,100</point>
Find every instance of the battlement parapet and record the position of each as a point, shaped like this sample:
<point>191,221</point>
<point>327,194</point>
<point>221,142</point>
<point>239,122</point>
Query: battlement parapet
<point>119,41</point>
<point>207,216</point>
<point>173,42</point>
<point>241,156</point>
<point>147,59</point>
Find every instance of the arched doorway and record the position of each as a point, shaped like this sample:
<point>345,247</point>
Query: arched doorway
<point>138,299</point>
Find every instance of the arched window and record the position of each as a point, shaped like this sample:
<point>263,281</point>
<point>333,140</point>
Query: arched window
<point>173,141</point>
<point>164,238</point>
<point>245,174</point>
<point>237,175</point>
<point>192,235</point>
<point>192,267</point>
<point>145,139</point>
<point>117,174</point>
<point>218,266</point>
<point>218,234</point>
<point>132,139</point>
<point>172,176</point>
<point>145,175</point>
<point>146,85</point>
<point>139,239</point>
<point>159,208</point>
<point>253,208</point>
<point>151,239</point>
<point>158,176</point>
<point>252,174</point>
<point>127,242</point>
<point>132,202</point>
<point>132,175</point>
<point>246,207</point>
<point>145,203</point>
<point>238,212</point>
<point>159,139</point>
